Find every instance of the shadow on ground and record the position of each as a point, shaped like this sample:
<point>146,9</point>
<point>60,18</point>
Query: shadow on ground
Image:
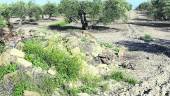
<point>65,28</point>
<point>140,19</point>
<point>151,24</point>
<point>155,48</point>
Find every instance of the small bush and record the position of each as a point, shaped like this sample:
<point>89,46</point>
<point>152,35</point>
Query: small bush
<point>107,45</point>
<point>120,76</point>
<point>2,22</point>
<point>66,64</point>
<point>37,61</point>
<point>7,69</point>
<point>23,82</point>
<point>115,48</point>
<point>60,23</point>
<point>90,85</point>
<point>147,38</point>
<point>2,47</point>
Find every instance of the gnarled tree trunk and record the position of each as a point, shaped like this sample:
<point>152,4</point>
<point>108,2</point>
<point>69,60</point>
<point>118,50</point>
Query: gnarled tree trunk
<point>83,19</point>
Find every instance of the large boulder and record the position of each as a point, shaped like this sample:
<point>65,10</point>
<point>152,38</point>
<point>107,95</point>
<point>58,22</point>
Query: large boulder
<point>83,94</point>
<point>23,64</point>
<point>10,56</point>
<point>52,71</point>
<point>9,82</point>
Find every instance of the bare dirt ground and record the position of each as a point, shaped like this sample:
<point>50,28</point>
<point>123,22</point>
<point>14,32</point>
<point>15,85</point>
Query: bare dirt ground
<point>150,62</point>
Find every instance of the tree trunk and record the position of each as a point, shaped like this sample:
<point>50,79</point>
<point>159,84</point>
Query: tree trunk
<point>9,25</point>
<point>50,15</point>
<point>84,22</point>
<point>42,16</point>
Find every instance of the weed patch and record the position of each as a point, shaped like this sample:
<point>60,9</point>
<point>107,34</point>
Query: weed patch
<point>60,23</point>
<point>7,69</point>
<point>116,49</point>
<point>147,38</point>
<point>66,65</point>
<point>89,85</point>
<point>120,76</point>
<point>2,47</point>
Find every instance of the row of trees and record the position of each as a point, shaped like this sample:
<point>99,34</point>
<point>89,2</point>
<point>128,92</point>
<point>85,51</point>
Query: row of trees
<point>96,11</point>
<point>158,9</point>
<point>22,9</point>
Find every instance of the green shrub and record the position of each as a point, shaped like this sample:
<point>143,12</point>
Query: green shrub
<point>60,23</point>
<point>147,38</point>
<point>115,48</point>
<point>7,69</point>
<point>107,45</point>
<point>35,53</point>
<point>2,47</point>
<point>120,76</point>
<point>90,85</point>
<point>67,65</point>
<point>23,82</point>
<point>2,22</point>
<point>37,61</point>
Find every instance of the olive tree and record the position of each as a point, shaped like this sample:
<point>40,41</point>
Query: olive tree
<point>6,13</point>
<point>33,10</point>
<point>105,11</point>
<point>157,9</point>
<point>20,10</point>
<point>49,9</point>
<point>2,23</point>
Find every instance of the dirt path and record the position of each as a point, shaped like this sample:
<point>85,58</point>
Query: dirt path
<point>150,61</point>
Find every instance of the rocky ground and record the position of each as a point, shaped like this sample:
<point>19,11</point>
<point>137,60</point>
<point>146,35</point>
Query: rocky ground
<point>149,62</point>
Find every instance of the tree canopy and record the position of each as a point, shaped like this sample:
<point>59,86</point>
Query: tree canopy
<point>158,9</point>
<point>88,12</point>
<point>96,10</point>
<point>49,9</point>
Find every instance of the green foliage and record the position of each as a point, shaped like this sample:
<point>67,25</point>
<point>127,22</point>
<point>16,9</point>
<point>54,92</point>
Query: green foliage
<point>66,64</point>
<point>37,61</point>
<point>147,38</point>
<point>6,12</point>
<point>114,10</point>
<point>116,48</point>
<point>49,9</point>
<point>90,85</point>
<point>157,9</point>
<point>23,82</point>
<point>19,9</point>
<point>60,23</point>
<point>7,69</point>
<point>144,6</point>
<point>107,45</point>
<point>2,47</point>
<point>33,10</point>
<point>19,89</point>
<point>2,23</point>
<point>97,10</point>
<point>120,76</point>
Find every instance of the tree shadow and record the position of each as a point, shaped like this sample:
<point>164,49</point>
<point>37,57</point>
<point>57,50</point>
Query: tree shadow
<point>26,22</point>
<point>155,48</point>
<point>65,28</point>
<point>151,24</point>
<point>51,19</point>
<point>140,19</point>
